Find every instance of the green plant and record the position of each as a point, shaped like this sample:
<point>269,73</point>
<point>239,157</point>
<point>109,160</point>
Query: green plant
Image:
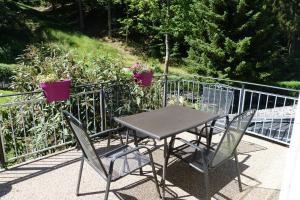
<point>48,78</point>
<point>140,68</point>
<point>290,84</point>
<point>6,72</point>
<point>50,62</point>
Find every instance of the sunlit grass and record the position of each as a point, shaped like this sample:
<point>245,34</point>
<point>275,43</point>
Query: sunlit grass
<point>290,84</point>
<point>88,48</point>
<point>4,100</point>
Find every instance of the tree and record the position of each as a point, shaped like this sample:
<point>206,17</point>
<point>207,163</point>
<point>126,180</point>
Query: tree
<point>288,15</point>
<point>158,24</point>
<point>236,39</point>
<point>109,17</point>
<point>80,11</point>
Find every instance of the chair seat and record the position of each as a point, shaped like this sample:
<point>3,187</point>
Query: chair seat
<point>124,164</point>
<point>192,157</point>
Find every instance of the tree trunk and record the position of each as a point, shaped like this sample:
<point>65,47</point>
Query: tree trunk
<point>81,19</point>
<point>167,56</point>
<point>109,17</point>
<point>53,4</point>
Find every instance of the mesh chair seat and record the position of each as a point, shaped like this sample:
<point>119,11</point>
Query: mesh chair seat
<point>125,164</point>
<point>192,157</point>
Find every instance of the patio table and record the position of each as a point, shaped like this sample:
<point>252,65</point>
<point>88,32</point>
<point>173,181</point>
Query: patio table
<point>166,122</point>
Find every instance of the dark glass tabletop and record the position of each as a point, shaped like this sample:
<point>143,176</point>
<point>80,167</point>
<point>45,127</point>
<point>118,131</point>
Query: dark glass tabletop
<point>166,122</point>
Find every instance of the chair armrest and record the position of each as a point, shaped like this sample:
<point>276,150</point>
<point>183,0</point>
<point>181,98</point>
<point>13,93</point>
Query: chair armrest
<point>220,117</point>
<point>190,144</point>
<point>212,125</point>
<point>95,135</point>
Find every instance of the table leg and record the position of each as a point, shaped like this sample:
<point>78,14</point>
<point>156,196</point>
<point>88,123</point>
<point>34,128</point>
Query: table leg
<point>163,184</point>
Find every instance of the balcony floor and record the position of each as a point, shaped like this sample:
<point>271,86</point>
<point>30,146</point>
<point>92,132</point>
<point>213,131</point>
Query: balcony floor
<point>55,177</point>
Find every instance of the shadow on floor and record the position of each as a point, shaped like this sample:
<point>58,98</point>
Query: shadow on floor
<point>39,167</point>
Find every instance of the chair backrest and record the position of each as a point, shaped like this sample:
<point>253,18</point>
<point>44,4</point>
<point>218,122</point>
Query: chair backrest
<point>217,99</point>
<point>85,143</point>
<point>232,137</point>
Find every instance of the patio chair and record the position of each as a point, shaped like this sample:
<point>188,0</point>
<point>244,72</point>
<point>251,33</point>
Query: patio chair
<point>112,165</point>
<point>216,99</point>
<point>206,159</point>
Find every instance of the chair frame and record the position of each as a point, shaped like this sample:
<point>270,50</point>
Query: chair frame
<point>209,166</point>
<point>107,174</point>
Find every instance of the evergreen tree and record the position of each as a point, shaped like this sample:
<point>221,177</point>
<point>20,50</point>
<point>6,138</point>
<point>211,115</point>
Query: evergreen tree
<point>235,39</point>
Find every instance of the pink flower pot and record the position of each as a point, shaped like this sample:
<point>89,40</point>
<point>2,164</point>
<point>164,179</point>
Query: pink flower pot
<point>144,79</point>
<point>56,91</point>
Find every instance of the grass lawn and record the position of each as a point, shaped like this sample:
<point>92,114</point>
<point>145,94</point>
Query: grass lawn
<point>4,100</point>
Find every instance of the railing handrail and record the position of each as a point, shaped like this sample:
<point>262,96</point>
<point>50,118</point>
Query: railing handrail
<point>75,86</point>
<point>162,75</point>
<point>241,82</point>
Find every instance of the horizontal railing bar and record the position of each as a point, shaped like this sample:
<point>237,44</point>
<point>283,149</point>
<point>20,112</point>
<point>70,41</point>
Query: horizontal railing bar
<point>41,91</point>
<point>267,138</point>
<point>21,93</point>
<point>42,100</point>
<point>22,102</point>
<point>243,82</point>
<point>39,151</point>
<point>271,94</point>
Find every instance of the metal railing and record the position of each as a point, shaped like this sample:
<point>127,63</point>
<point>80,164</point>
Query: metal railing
<point>275,106</point>
<point>31,127</point>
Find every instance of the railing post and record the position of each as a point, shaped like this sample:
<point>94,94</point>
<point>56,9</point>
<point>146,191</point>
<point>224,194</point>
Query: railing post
<point>102,108</point>
<point>2,150</point>
<point>165,90</point>
<point>241,100</point>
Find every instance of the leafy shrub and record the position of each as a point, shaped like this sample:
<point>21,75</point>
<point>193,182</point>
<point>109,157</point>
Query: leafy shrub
<point>290,84</point>
<point>6,72</point>
<point>45,60</point>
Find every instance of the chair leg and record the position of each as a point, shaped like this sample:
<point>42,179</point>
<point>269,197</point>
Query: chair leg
<point>107,187</point>
<point>108,140</point>
<point>197,143</point>
<point>121,140</point>
<point>154,175</point>
<point>127,136</point>
<point>198,139</point>
<point>208,140</point>
<point>238,171</point>
<point>136,145</point>
<point>206,180</point>
<point>154,141</point>
<point>79,177</point>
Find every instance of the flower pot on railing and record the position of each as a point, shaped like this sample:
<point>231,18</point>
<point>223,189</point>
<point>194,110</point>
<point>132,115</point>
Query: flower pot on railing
<point>144,79</point>
<point>57,90</point>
